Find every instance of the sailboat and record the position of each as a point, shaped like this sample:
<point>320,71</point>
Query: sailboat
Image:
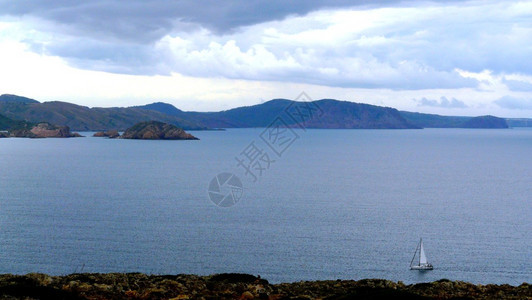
<point>423,264</point>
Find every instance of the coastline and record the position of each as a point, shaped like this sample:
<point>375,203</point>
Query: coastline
<point>238,286</point>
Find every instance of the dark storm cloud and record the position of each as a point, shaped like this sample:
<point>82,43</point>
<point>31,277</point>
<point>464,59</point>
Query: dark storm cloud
<point>146,21</point>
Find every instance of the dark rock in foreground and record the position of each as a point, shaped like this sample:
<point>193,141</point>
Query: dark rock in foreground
<point>112,134</point>
<point>154,130</point>
<point>43,130</point>
<point>239,286</point>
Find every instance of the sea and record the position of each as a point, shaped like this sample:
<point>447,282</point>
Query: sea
<point>286,204</point>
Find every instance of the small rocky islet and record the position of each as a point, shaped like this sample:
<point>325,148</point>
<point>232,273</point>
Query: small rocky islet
<point>239,286</point>
<point>150,130</point>
<point>112,134</point>
<point>154,130</point>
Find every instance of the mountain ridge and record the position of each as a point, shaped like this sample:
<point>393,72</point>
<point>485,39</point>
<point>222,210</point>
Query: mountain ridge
<point>328,114</point>
<point>334,114</point>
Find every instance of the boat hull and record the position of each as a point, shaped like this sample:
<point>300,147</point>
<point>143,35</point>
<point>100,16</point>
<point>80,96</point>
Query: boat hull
<point>425,267</point>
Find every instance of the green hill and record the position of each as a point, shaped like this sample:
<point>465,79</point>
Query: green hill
<point>5,123</point>
<point>8,124</point>
<point>82,118</point>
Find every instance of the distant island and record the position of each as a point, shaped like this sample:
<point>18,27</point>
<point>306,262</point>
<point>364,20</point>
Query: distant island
<point>239,286</point>
<point>325,113</point>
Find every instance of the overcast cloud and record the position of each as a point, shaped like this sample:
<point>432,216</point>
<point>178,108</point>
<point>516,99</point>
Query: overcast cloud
<point>423,50</point>
<point>142,20</point>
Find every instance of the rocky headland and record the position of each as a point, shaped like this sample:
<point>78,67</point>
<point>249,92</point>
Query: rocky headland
<point>239,286</point>
<point>486,122</point>
<point>154,130</point>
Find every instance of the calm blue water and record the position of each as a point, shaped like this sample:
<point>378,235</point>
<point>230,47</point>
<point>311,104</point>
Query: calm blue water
<point>347,204</point>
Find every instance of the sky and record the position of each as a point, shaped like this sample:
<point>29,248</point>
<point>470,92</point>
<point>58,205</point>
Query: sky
<point>446,57</point>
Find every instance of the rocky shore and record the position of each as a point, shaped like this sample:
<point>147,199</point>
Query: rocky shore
<point>239,286</point>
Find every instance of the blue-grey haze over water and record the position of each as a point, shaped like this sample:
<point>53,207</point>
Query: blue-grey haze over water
<point>338,204</point>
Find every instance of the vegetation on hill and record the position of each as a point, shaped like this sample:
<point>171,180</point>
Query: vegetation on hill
<point>5,122</point>
<point>8,124</point>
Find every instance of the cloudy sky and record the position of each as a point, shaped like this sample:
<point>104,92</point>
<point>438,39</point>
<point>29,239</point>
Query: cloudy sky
<point>446,57</point>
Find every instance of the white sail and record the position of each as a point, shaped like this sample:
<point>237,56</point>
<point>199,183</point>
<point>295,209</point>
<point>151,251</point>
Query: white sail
<point>422,257</point>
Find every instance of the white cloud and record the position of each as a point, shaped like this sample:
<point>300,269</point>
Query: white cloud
<point>474,51</point>
<point>400,48</point>
<point>510,102</point>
